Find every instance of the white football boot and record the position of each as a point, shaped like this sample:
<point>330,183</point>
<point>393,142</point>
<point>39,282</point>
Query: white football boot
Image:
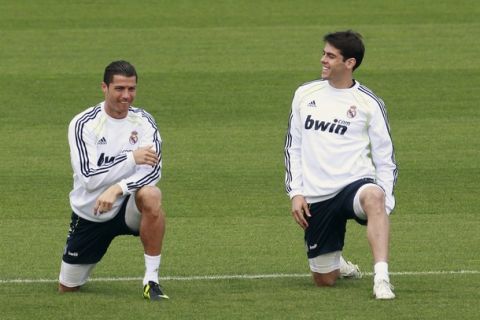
<point>383,290</point>
<point>349,270</point>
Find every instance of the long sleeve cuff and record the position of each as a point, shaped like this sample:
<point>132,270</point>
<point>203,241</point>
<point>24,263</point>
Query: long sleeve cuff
<point>294,193</point>
<point>123,185</point>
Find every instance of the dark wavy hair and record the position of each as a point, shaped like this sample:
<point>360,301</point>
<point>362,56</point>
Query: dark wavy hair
<point>120,67</point>
<point>349,43</point>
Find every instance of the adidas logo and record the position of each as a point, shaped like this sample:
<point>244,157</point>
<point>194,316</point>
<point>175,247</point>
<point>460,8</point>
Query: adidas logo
<point>311,104</point>
<point>102,141</point>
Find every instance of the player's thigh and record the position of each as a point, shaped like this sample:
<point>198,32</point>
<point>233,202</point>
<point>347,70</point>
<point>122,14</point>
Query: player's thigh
<point>326,228</point>
<point>350,200</point>
<point>325,263</point>
<point>132,214</point>
<point>87,241</point>
<point>325,268</point>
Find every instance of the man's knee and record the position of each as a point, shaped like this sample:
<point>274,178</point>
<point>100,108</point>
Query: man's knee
<point>372,199</point>
<point>325,279</point>
<point>62,288</point>
<point>149,199</point>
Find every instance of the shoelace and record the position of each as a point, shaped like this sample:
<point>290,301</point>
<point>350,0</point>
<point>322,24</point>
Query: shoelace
<point>388,284</point>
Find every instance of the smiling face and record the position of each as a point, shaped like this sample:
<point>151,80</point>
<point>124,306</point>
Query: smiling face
<point>335,69</point>
<point>119,95</point>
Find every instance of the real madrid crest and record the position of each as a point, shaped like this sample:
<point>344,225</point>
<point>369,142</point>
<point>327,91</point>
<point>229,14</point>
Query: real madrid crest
<point>133,137</point>
<point>352,112</point>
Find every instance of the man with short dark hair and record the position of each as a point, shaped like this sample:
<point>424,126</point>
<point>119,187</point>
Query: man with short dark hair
<point>340,164</point>
<point>116,157</point>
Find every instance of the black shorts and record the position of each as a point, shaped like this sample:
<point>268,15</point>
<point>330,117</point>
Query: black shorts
<point>87,241</point>
<point>328,221</point>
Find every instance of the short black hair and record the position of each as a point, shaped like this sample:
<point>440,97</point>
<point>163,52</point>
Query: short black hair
<point>120,67</point>
<point>349,43</point>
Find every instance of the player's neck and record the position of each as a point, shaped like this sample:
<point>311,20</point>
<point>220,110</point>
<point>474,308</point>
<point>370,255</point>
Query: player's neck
<point>344,83</point>
<point>115,114</point>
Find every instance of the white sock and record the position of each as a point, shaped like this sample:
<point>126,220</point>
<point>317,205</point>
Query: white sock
<point>152,264</point>
<point>381,271</point>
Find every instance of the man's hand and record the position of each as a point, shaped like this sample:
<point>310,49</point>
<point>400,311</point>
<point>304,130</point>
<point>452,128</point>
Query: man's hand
<point>107,199</point>
<point>145,155</point>
<point>300,210</point>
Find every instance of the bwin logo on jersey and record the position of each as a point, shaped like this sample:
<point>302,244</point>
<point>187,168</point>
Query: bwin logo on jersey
<point>104,159</point>
<point>334,127</point>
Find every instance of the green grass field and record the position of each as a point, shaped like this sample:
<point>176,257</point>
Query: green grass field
<point>219,76</point>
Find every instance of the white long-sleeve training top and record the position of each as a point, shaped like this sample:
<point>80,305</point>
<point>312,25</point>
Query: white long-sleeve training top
<point>335,137</point>
<point>101,156</point>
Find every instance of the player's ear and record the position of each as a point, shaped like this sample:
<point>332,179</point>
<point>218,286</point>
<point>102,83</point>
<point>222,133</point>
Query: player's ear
<point>350,63</point>
<point>104,87</point>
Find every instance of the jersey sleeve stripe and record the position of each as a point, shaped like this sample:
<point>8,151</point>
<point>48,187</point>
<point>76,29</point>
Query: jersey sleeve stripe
<point>144,181</point>
<point>155,173</point>
<point>288,144</point>
<point>381,105</point>
<point>146,115</point>
<point>80,144</point>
